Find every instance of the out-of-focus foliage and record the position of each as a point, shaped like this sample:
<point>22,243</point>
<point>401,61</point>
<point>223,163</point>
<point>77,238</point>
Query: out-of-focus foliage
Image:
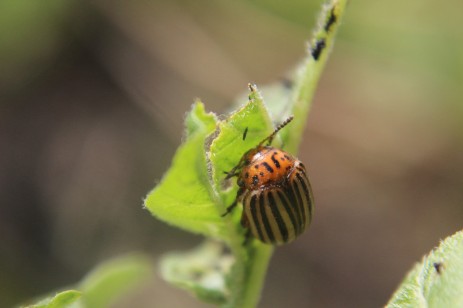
<point>90,119</point>
<point>30,37</point>
<point>103,286</point>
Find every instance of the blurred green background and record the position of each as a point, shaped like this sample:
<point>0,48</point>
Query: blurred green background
<point>92,100</point>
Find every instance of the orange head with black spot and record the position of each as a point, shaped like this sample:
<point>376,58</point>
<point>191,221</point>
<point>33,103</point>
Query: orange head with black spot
<point>267,165</point>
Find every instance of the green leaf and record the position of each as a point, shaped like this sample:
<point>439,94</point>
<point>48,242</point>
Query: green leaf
<point>183,198</point>
<point>203,195</point>
<point>60,300</point>
<point>228,146</point>
<point>437,281</point>
<point>201,271</point>
<point>197,120</point>
<point>112,279</point>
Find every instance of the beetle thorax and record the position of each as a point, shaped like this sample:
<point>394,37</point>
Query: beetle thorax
<point>267,166</point>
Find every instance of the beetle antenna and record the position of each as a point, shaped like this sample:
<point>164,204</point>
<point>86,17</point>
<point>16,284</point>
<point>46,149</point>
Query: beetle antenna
<point>277,129</point>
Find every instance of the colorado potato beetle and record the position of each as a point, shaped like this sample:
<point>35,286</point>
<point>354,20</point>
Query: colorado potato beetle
<point>275,192</point>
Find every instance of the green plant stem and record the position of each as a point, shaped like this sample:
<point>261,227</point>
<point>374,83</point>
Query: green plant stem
<point>249,274</point>
<point>311,69</point>
<point>257,267</point>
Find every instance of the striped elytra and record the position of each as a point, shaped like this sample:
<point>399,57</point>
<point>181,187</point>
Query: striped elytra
<point>275,192</point>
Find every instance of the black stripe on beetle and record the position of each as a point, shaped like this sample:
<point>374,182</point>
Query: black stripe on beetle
<point>265,220</point>
<point>293,202</point>
<point>283,200</point>
<point>298,184</point>
<point>318,48</point>
<point>275,161</point>
<point>267,166</point>
<point>306,198</point>
<point>299,205</point>
<point>255,221</point>
<point>278,218</point>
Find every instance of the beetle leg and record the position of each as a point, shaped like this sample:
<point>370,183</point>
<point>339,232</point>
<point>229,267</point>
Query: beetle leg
<point>247,237</point>
<point>245,224</point>
<point>230,208</point>
<point>235,203</point>
<point>244,221</point>
<point>231,173</point>
<point>234,171</point>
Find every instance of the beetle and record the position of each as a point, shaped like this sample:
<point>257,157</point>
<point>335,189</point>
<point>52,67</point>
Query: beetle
<point>275,192</point>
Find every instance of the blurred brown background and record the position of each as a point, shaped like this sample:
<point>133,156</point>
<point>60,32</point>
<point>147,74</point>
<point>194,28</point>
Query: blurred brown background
<point>92,100</point>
